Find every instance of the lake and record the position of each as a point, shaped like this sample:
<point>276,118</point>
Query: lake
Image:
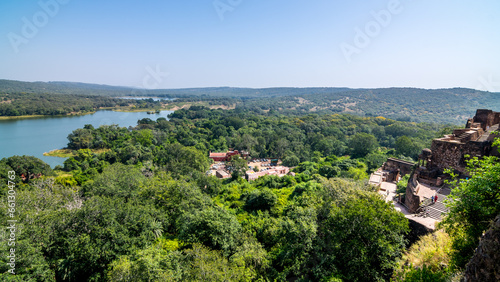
<point>38,135</point>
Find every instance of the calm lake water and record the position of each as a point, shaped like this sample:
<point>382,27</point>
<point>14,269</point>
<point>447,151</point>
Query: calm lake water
<point>35,136</point>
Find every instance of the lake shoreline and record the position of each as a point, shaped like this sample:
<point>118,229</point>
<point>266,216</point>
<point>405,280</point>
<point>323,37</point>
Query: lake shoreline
<point>44,116</point>
<point>114,109</point>
<point>67,153</point>
<point>34,135</point>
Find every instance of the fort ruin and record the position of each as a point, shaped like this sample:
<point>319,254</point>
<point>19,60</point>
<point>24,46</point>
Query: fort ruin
<point>451,152</point>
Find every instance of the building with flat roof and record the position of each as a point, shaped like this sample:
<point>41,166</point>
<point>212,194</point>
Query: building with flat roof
<point>279,171</point>
<point>225,157</point>
<point>222,174</point>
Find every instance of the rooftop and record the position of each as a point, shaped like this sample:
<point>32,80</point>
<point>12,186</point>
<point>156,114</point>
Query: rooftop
<point>218,154</point>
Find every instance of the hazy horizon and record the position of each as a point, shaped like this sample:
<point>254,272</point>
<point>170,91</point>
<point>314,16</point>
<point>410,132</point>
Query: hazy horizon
<point>244,87</point>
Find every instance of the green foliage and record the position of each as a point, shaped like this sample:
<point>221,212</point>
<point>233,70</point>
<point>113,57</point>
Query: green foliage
<point>116,180</point>
<point>85,165</point>
<point>263,199</point>
<point>30,263</point>
<point>25,166</point>
<point>365,234</point>
<point>145,210</point>
<point>181,160</point>
<point>175,198</point>
<point>291,160</point>
<point>362,144</point>
<point>375,160</point>
<point>106,136</point>
<point>406,146</point>
<point>426,260</point>
<point>81,250</point>
<point>474,203</point>
<point>214,227</point>
<point>52,104</point>
<point>144,137</point>
<point>238,167</point>
<point>151,264</point>
<point>414,274</point>
<point>403,183</point>
<point>297,234</point>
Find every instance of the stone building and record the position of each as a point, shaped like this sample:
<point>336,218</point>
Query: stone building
<point>397,169</point>
<point>391,171</point>
<point>279,171</point>
<point>222,174</point>
<point>451,151</point>
<point>224,157</point>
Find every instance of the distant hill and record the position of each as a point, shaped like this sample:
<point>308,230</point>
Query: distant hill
<point>60,87</point>
<point>407,104</point>
<point>452,105</point>
<point>14,86</point>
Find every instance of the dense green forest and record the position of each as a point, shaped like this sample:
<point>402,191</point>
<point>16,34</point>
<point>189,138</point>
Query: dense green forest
<point>144,210</point>
<point>22,104</point>
<point>406,104</point>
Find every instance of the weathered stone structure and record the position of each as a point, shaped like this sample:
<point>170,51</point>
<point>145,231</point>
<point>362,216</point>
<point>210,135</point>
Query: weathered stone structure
<point>450,152</point>
<point>397,168</point>
<point>391,171</point>
<point>474,140</point>
<point>412,199</point>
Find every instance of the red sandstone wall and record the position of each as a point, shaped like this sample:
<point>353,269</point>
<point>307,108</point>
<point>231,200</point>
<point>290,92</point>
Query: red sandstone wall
<point>446,155</point>
<point>487,117</point>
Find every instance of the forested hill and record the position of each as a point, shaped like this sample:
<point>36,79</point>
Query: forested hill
<point>60,87</point>
<point>452,105</point>
<point>14,86</point>
<point>406,104</point>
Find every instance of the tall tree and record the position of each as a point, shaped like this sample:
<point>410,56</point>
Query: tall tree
<point>362,144</point>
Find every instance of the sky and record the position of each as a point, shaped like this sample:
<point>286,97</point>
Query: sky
<point>258,43</point>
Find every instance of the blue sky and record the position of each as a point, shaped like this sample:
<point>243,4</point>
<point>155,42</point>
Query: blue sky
<point>258,43</point>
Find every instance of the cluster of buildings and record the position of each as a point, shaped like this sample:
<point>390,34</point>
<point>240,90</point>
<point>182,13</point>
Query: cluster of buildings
<point>220,170</point>
<point>278,170</point>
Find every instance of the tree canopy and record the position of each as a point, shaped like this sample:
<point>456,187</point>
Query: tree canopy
<point>139,201</point>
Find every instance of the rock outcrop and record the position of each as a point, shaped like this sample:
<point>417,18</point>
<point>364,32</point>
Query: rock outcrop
<point>484,265</point>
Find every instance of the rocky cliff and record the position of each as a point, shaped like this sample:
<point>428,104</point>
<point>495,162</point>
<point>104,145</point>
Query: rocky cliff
<point>485,264</point>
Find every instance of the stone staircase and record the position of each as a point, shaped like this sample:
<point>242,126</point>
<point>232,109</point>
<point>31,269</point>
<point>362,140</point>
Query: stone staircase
<point>464,137</point>
<point>486,135</point>
<point>437,209</point>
